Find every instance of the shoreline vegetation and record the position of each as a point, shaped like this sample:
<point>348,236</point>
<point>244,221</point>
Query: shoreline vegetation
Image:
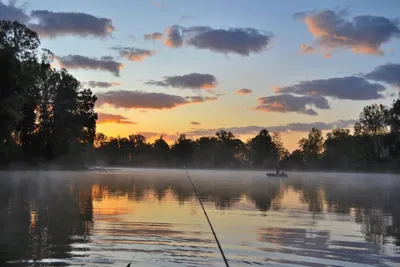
<point>48,121</point>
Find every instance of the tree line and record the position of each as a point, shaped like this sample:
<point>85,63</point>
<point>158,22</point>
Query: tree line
<point>373,146</point>
<point>46,115</point>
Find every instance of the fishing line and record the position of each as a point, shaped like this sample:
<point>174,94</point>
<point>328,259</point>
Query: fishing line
<point>209,222</point>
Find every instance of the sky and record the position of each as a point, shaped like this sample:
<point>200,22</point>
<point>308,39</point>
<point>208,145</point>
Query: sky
<point>194,67</point>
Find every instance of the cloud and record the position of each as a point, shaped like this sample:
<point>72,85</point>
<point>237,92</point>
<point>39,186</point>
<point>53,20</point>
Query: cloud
<point>82,62</point>
<point>241,41</point>
<point>54,24</point>
<point>305,48</point>
<point>291,127</point>
<point>112,118</point>
<point>350,87</point>
<point>145,100</point>
<point>102,84</point>
<point>244,91</point>
<point>288,103</point>
<point>366,34</point>
<point>195,123</point>
<point>153,36</point>
<point>174,37</point>
<point>188,81</point>
<point>388,73</point>
<point>13,13</point>
<point>134,54</point>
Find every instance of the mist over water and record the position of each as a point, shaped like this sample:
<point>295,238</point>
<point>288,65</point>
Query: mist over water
<point>106,217</point>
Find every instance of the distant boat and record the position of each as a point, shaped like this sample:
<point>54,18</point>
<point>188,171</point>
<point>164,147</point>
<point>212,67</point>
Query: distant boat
<point>273,174</point>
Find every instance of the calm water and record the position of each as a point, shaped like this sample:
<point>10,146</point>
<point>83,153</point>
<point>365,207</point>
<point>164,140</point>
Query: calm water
<point>106,218</point>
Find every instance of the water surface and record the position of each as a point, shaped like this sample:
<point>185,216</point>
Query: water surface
<point>108,217</point>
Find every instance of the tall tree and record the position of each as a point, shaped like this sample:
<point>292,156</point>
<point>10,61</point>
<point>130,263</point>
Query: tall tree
<point>312,146</point>
<point>373,122</point>
<point>262,150</point>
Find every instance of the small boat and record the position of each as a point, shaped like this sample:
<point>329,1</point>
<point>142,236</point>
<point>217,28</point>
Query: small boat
<point>273,174</point>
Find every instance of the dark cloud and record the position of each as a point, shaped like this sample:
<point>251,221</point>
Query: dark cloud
<point>388,73</point>
<point>244,91</point>
<point>102,84</point>
<point>153,36</point>
<point>174,37</point>
<point>82,62</point>
<point>288,103</point>
<point>145,100</point>
<point>350,87</point>
<point>188,81</point>
<point>54,24</point>
<point>362,34</point>
<point>12,12</point>
<point>134,54</point>
<point>242,41</point>
<point>305,48</point>
<point>112,118</point>
<point>291,127</point>
<point>195,123</point>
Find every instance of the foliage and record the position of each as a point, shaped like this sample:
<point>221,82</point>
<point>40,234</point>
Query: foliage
<point>45,114</point>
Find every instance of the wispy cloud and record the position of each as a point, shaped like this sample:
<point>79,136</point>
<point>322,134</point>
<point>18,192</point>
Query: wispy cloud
<point>333,29</point>
<point>188,81</point>
<point>134,54</point>
<point>145,100</point>
<point>244,91</point>
<point>305,48</point>
<point>104,118</point>
<point>195,123</point>
<point>153,36</point>
<point>102,84</point>
<point>82,62</point>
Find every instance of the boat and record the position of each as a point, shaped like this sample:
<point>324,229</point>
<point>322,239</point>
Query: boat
<point>273,174</point>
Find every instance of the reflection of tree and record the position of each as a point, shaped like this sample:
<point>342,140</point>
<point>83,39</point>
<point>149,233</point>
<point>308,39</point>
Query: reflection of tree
<point>39,217</point>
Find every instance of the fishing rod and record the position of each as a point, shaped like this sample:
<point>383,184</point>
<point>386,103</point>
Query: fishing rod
<point>209,222</point>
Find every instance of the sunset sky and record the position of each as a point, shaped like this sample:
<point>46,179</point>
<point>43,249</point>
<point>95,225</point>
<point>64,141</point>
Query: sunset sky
<point>186,66</point>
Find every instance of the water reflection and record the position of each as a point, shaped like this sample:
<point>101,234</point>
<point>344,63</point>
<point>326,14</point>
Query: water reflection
<point>100,218</point>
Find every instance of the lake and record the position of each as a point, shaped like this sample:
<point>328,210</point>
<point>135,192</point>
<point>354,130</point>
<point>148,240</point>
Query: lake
<point>107,217</point>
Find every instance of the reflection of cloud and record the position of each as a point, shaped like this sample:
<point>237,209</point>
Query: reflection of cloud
<point>362,34</point>
<point>190,81</point>
<point>82,62</point>
<point>144,100</point>
<point>288,103</point>
<point>350,87</point>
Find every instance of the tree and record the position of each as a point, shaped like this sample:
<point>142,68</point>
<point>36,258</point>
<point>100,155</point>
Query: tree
<point>339,148</point>
<point>161,151</point>
<point>262,150</point>
<point>373,122</point>
<point>183,149</point>
<point>312,146</point>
